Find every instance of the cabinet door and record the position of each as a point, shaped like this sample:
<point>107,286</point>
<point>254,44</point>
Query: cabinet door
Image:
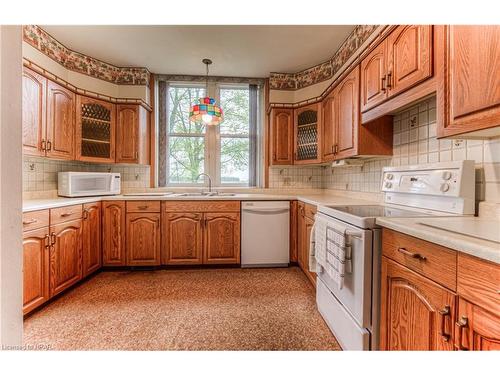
<point>301,225</point>
<point>409,57</point>
<point>307,134</point>
<point>127,134</point>
<point>113,233</point>
<point>143,239</point>
<point>91,238</point>
<point>329,137</point>
<point>182,238</point>
<point>60,122</point>
<point>416,313</point>
<point>221,238</point>
<point>34,107</point>
<point>293,231</point>
<point>373,76</point>
<point>347,118</point>
<point>307,236</point>
<point>65,255</point>
<point>36,244</point>
<point>469,80</point>
<point>95,130</point>
<point>281,136</point>
<point>476,328</point>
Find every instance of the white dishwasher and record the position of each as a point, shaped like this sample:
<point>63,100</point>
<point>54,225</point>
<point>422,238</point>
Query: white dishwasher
<point>265,233</point>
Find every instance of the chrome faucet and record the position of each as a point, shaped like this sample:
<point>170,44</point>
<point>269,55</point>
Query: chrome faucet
<point>209,180</point>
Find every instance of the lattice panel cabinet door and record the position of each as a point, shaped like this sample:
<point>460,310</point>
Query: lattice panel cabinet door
<point>308,134</point>
<point>221,238</point>
<point>95,131</point>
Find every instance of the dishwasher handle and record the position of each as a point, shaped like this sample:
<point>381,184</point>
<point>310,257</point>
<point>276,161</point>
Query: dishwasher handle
<point>266,211</point>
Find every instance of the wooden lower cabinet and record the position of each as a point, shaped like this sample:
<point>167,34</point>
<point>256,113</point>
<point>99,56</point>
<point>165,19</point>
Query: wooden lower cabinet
<point>36,246</point>
<point>182,238</point>
<point>305,222</point>
<point>113,233</point>
<point>65,255</point>
<point>476,328</point>
<point>221,242</point>
<point>91,238</point>
<point>416,313</point>
<point>143,239</point>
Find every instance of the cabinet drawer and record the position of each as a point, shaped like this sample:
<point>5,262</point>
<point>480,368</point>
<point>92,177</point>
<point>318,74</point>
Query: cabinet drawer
<point>35,220</point>
<point>143,206</point>
<point>433,261</point>
<point>479,281</point>
<point>62,214</point>
<point>201,206</point>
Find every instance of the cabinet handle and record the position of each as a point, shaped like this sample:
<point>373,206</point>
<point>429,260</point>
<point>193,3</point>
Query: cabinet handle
<point>85,214</point>
<point>418,256</point>
<point>142,207</point>
<point>66,214</point>
<point>47,241</point>
<point>336,149</point>
<point>389,79</point>
<point>43,145</point>
<point>383,83</point>
<point>30,221</point>
<point>446,311</point>
<point>53,238</point>
<point>333,149</point>
<point>461,324</point>
<point>49,145</point>
<point>137,155</point>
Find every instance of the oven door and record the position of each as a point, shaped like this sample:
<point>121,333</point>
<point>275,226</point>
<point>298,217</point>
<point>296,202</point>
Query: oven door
<point>356,294</point>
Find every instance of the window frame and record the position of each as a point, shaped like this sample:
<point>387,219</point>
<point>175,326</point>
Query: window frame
<point>212,138</point>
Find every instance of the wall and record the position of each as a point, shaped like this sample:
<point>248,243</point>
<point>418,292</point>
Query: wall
<point>11,297</point>
<point>40,174</point>
<point>414,142</point>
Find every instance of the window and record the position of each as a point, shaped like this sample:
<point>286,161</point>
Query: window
<point>226,152</point>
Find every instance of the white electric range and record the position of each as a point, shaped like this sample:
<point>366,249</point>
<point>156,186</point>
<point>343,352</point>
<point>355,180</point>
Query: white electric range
<point>437,189</point>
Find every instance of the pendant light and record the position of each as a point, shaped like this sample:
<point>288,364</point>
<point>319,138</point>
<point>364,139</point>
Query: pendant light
<point>206,111</point>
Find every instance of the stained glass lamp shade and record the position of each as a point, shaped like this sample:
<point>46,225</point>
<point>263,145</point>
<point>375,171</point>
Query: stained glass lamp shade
<point>206,111</point>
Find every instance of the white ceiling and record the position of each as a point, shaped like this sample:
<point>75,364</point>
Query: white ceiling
<point>245,51</point>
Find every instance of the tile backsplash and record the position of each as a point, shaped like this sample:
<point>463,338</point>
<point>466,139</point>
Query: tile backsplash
<point>40,174</point>
<point>414,142</point>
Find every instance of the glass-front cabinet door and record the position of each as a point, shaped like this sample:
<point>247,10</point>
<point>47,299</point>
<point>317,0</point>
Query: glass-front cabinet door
<point>95,138</point>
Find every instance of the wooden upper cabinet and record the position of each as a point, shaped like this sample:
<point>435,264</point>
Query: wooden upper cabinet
<point>416,313</point>
<point>95,130</point>
<point>281,137</point>
<point>469,81</point>
<point>34,112</point>
<point>347,119</point>
<point>409,52</point>
<point>373,76</point>
<point>36,245</point>
<point>132,134</point>
<point>476,328</point>
<point>60,122</point>
<point>65,255</point>
<point>182,238</point>
<point>221,238</point>
<point>91,238</point>
<point>143,239</point>
<point>113,233</point>
<point>328,138</point>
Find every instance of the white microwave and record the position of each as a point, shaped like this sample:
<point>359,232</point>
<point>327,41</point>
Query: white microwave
<point>84,184</point>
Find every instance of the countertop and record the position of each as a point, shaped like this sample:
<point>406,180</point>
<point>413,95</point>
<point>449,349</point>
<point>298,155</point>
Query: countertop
<point>472,245</point>
<point>314,199</point>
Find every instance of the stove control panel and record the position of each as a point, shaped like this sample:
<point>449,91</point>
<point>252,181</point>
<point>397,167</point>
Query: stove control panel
<point>421,185</point>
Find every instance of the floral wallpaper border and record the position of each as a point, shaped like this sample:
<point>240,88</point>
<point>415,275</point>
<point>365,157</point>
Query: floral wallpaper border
<point>325,70</point>
<point>41,40</point>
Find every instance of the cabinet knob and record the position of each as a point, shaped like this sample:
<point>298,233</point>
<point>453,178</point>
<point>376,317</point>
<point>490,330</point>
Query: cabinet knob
<point>418,256</point>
